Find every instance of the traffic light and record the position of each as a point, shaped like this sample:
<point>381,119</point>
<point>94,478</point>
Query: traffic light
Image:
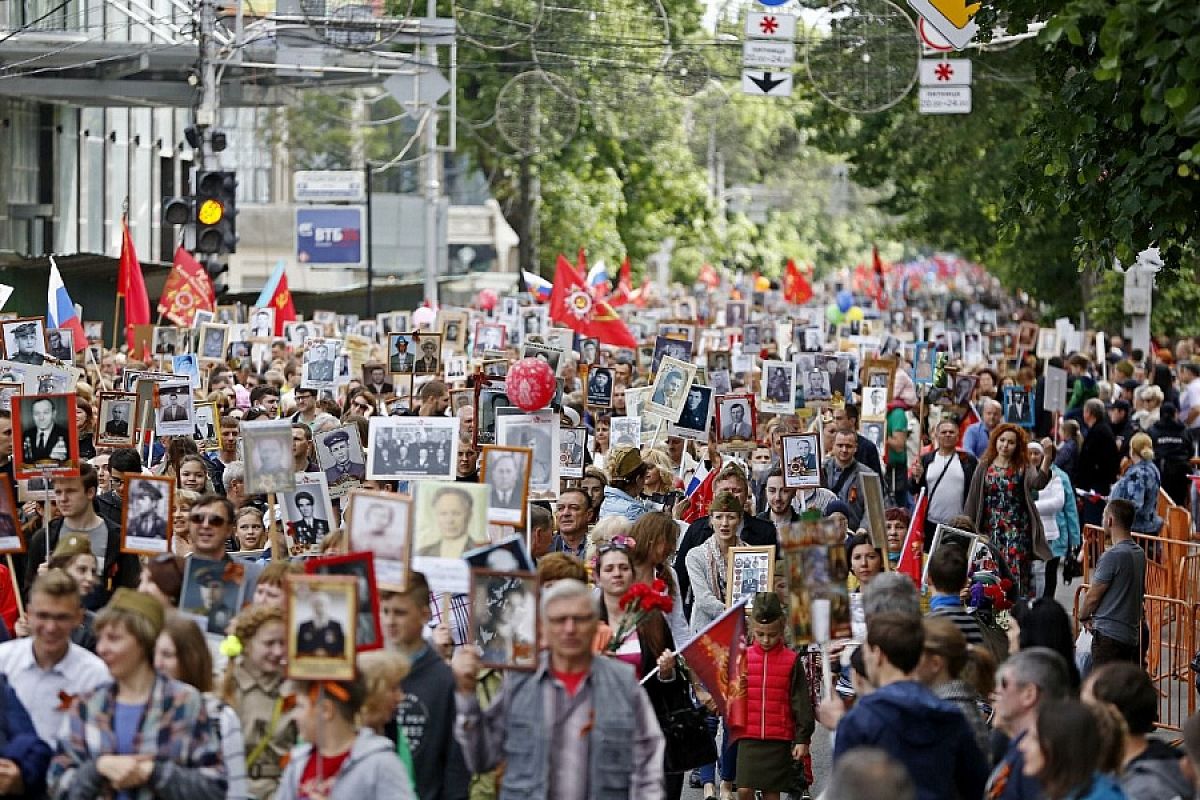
<point>216,212</point>
<point>218,272</point>
<point>177,210</point>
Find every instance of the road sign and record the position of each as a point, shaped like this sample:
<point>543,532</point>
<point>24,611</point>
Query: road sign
<point>772,3</point>
<point>330,236</point>
<point>328,186</point>
<point>945,72</point>
<point>769,25</point>
<point>775,55</point>
<point>945,100</point>
<point>954,19</point>
<point>767,83</point>
<point>422,88</point>
<point>932,39</point>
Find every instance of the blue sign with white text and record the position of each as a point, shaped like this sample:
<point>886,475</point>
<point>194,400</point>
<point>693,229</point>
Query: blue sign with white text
<point>331,236</point>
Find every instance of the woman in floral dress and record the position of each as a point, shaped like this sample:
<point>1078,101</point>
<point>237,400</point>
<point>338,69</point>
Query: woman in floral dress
<point>1001,502</point>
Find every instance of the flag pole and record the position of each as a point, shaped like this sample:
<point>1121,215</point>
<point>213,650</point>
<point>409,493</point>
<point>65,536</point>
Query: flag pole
<point>117,304</point>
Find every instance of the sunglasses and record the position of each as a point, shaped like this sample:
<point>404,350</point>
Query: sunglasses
<point>209,519</point>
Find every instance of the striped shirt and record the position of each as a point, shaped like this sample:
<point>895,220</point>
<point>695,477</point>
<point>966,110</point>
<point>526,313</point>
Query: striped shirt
<point>949,606</point>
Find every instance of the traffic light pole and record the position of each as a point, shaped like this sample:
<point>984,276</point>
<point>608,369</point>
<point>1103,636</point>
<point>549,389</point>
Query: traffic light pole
<point>433,186</point>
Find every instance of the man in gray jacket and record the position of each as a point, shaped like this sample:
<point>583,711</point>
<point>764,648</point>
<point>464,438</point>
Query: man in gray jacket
<point>557,740</point>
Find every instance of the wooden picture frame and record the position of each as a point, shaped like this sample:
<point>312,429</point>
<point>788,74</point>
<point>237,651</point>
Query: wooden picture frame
<point>322,626</point>
<point>381,523</point>
<point>506,506</point>
<point>749,570</point>
<point>147,508</point>
<point>504,618</point>
<point>874,514</point>
<point>368,632</point>
<point>731,430</point>
<point>801,460</point>
<point>12,540</point>
<point>944,533</point>
<point>109,427</point>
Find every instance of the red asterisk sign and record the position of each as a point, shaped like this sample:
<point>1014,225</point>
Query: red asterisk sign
<point>943,72</point>
<point>768,24</point>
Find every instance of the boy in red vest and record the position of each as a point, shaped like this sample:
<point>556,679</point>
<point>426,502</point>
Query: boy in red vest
<point>779,713</point>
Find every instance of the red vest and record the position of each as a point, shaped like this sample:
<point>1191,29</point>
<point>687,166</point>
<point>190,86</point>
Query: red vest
<point>768,693</point>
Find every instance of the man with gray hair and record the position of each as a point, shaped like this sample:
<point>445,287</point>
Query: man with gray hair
<point>1025,681</point>
<point>577,727</point>
<point>863,771</point>
<point>891,591</point>
<point>1098,463</point>
<point>975,440</point>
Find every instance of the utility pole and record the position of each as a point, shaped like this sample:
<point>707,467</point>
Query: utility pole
<point>433,186</point>
<point>206,112</point>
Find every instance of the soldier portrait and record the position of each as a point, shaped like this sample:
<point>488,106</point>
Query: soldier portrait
<point>146,510</point>
<point>308,512</point>
<point>322,626</point>
<point>25,341</point>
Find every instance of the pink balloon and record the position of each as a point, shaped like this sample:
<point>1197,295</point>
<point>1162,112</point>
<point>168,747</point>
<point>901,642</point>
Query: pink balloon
<point>487,299</point>
<point>531,384</point>
<point>423,317</point>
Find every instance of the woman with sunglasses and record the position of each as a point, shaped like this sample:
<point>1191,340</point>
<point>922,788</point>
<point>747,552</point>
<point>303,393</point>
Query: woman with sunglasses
<point>361,403</point>
<point>253,687</point>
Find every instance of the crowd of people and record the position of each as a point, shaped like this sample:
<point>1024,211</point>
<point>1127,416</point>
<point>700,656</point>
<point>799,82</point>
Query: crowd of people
<point>961,678</point>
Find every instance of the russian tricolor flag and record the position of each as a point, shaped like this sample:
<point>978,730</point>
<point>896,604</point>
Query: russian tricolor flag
<point>538,286</point>
<point>598,281</point>
<point>60,310</point>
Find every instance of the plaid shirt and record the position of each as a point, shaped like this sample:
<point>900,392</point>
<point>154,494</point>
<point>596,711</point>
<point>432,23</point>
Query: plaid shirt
<point>175,730</point>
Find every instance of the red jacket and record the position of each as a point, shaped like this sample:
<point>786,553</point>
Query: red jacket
<point>769,693</point>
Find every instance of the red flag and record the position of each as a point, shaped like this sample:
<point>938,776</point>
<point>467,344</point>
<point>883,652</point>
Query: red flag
<point>879,283</point>
<point>716,656</point>
<point>914,542</point>
<point>572,304</point>
<point>624,293</point>
<point>281,301</point>
<point>709,277</point>
<point>132,286</point>
<point>796,288</point>
<point>186,291</point>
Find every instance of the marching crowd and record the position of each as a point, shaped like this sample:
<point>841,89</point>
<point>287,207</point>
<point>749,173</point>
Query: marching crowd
<point>964,678</point>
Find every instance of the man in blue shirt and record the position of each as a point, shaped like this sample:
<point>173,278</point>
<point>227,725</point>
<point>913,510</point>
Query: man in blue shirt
<point>976,440</point>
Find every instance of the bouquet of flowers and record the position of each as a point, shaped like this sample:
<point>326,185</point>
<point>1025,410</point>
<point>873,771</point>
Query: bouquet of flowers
<point>989,593</point>
<point>638,603</point>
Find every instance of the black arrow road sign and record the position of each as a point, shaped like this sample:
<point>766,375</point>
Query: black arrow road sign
<point>766,82</point>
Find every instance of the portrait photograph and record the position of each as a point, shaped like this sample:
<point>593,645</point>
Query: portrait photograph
<point>212,592</point>
<point>540,433</point>
<point>308,513</point>
<point>401,352</point>
<point>361,566</point>
<point>599,387</point>
<point>319,360</point>
<point>572,446</point>
<point>117,426</point>
<point>550,355</point>
<point>456,369</point>
<point>505,470</point>
<point>1018,406</point>
<point>327,322</point>
<point>490,394</point>
<point>11,540</point>
<point>1027,336</point>
<point>262,323</point>
<point>696,416</point>
<point>297,333</point>
<point>625,431</point>
<point>148,502</point>
<point>187,366</point>
<point>735,315</point>
<point>48,428</point>
<point>589,351</point>
<point>778,387</point>
<point>168,341</point>
<point>964,388</point>
<point>381,523</point>
<point>506,555</point>
<point>173,417</point>
<point>1047,343</point>
<point>400,448</point>
<point>504,618</point>
<point>749,570</point>
<point>716,360</point>
<point>736,419</point>
<point>871,486</point>
<point>453,326</point>
<point>802,461</point>
<point>340,457</point>
<point>25,340</point>
<point>367,328</point>
<point>49,379</point>
<point>322,627</point>
<point>267,445</point>
<point>206,425</point>
<point>450,518</point>
<point>93,330</point>
<point>488,336</point>
<point>923,363</point>
<point>214,342</point>
<point>428,355</point>
<point>534,320</point>
<point>669,393</point>
<point>9,390</point>
<point>874,431</point>
<point>60,344</point>
<point>679,349</point>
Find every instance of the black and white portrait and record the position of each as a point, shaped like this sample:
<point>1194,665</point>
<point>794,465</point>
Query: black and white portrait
<point>340,457</point>
<point>429,351</point>
<point>206,425</point>
<point>506,470</point>
<point>1018,408</point>
<point>504,618</point>
<point>381,523</point>
<point>268,456</point>
<point>488,336</point>
<point>668,394</point>
<point>735,315</point>
<point>60,344</point>
<point>25,340</point>
<point>678,349</point>
<point>308,513</point>
<point>212,594</point>
<point>816,385</point>
<point>737,421</point>
<point>625,431</point>
<point>874,432</point>
<point>116,426</point>
<point>599,387</point>
<point>550,355</point>
<point>262,323</point>
<point>322,622</point>
<point>589,351</point>
<point>167,341</point>
<point>778,386</point>
<point>174,414</point>
<point>214,342</point>
<point>48,431</point>
<point>399,448</point>
<point>801,461</point>
<point>696,415</point>
<point>571,448</point>
<point>874,402</point>
<point>146,514</point>
<point>320,358</point>
<point>360,566</point>
<point>540,433</point>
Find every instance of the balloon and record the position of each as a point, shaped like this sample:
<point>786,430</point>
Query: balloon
<point>833,314</point>
<point>531,384</point>
<point>844,300</point>
<point>423,317</point>
<point>855,314</point>
<point>762,284</point>
<point>487,299</point>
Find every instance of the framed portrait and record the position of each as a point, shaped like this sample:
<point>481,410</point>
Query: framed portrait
<point>328,322</point>
<point>148,502</point>
<point>572,447</point>
<point>201,316</point>
<point>971,543</point>
<point>173,417</point>
<point>361,566</point>
<point>229,314</point>
<point>540,433</point>
<point>1018,406</point>
<point>504,618</point>
<point>297,333</point>
<point>429,354</point>
<point>206,430</point>
<point>878,378</point>
<point>507,555</point>
<point>749,570</point>
<point>735,315</point>
<point>679,349</point>
<point>169,340</point>
<point>802,461</point>
<point>778,387</point>
<point>9,390</point>
<point>551,355</point>
<point>491,393</point>
<point>924,358</point>
<point>214,342</point>
<point>599,387</point>
<point>589,351</point>
<point>308,513</point>
<point>737,420</point>
<point>696,416</point>
<point>669,393</point>
<point>48,379</point>
<point>814,556</point>
<point>452,324</point>
<point>212,592</point>
<point>718,360</point>
<point>488,336</point>
<point>37,489</point>
<point>367,328</point>
<point>60,344</point>
<point>450,520</point>
<point>871,485</point>
<point>262,323</point>
<point>534,321</point>
<point>461,397</point>
<point>625,431</point>
<point>376,378</point>
<point>401,352</point>
<point>340,457</point>
<point>403,385</point>
<point>49,434</point>
<point>322,627</point>
<point>318,364</point>
<point>1027,336</point>
<point>456,368</point>
<point>400,448</point>
<point>117,425</point>
<point>874,430</point>
<point>267,445</point>
<point>11,540</point>
<point>93,330</point>
<point>964,388</point>
<point>187,366</point>
<point>25,340</point>
<point>1047,343</point>
<point>381,523</point>
<point>506,472</point>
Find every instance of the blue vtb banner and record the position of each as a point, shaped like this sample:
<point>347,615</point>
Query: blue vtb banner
<point>330,235</point>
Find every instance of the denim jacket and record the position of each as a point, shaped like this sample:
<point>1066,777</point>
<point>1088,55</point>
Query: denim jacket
<point>1139,485</point>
